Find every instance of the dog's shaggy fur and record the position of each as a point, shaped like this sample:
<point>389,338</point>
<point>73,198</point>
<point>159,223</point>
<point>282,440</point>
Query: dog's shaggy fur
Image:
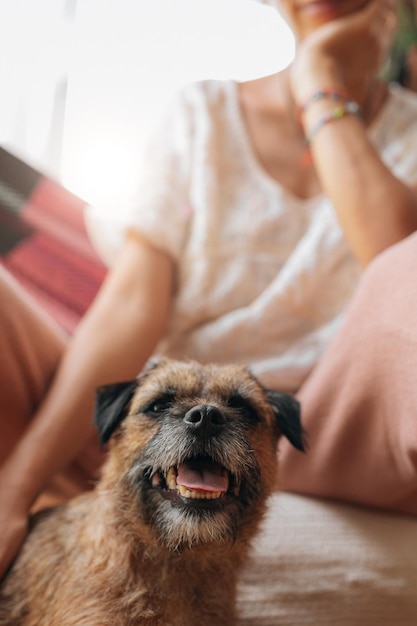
<point>160,540</point>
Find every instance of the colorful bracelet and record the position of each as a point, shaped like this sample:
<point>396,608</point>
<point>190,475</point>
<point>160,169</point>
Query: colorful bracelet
<point>348,108</point>
<point>321,94</point>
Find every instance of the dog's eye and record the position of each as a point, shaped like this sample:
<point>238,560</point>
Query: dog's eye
<point>159,405</point>
<point>236,401</point>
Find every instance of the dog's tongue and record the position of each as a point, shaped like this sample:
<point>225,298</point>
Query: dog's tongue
<point>202,475</point>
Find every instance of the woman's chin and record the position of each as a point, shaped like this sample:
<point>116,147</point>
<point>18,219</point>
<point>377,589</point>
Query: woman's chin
<point>311,14</point>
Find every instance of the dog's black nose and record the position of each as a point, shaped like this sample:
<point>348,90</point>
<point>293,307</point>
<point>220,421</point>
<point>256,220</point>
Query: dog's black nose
<point>205,417</point>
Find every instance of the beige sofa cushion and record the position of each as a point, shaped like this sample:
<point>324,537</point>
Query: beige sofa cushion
<point>322,563</point>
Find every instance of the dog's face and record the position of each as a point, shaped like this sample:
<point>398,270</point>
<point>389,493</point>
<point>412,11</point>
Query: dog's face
<point>194,448</point>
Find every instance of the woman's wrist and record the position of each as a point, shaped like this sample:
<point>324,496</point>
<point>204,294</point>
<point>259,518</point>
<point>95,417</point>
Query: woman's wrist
<point>321,108</point>
<point>348,107</point>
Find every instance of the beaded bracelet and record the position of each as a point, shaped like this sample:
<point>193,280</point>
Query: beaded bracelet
<point>321,94</point>
<point>348,108</point>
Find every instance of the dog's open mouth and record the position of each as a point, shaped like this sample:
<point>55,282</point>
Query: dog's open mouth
<point>199,478</point>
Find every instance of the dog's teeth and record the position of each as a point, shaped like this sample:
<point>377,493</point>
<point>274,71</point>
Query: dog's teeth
<point>192,494</point>
<point>185,492</point>
<point>171,479</point>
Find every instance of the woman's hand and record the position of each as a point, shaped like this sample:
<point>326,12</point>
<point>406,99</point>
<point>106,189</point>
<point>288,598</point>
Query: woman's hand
<point>345,52</point>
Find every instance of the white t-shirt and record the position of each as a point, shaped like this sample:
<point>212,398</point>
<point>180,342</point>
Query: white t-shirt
<point>263,277</point>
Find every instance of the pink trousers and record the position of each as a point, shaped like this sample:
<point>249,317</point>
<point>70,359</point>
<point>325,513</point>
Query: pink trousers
<point>31,346</point>
<point>359,405</point>
<point>360,402</point>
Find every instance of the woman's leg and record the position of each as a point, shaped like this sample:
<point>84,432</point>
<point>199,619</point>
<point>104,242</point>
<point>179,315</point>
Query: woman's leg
<point>359,405</point>
<point>31,346</point>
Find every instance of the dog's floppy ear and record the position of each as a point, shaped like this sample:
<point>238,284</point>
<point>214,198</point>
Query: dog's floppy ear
<point>112,402</point>
<point>288,413</point>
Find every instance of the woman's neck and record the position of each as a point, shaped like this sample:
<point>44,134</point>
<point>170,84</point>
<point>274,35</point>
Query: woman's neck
<point>275,135</point>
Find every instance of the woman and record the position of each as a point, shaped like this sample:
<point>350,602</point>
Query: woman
<point>233,252</point>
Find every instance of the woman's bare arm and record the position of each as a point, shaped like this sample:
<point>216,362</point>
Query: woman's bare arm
<point>375,209</point>
<point>112,343</point>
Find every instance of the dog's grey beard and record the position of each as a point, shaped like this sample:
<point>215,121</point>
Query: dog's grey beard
<point>176,526</point>
<point>179,530</point>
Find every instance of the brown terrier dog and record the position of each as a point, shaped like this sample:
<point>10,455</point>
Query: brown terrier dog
<point>160,540</point>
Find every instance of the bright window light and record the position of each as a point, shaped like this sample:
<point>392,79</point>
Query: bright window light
<point>130,56</point>
<point>101,72</point>
<point>34,56</point>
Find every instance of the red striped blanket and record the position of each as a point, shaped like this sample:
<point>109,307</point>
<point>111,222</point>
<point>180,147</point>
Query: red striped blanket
<point>44,243</point>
